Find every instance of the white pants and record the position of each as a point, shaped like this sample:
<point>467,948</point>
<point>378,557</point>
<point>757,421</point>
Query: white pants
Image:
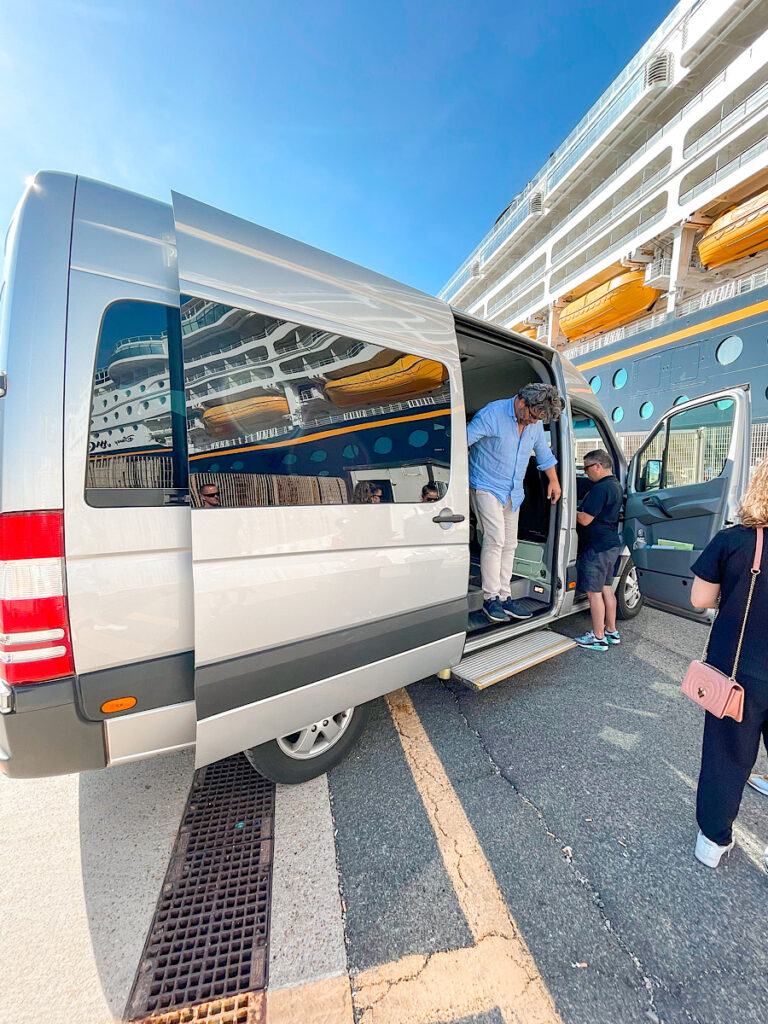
<point>497,557</point>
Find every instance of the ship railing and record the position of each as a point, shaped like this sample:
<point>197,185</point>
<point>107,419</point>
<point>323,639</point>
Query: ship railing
<point>239,343</point>
<point>611,243</point>
<point>727,290</point>
<point>723,172</point>
<point>733,117</point>
<point>614,212</point>
<point>518,290</point>
<point>519,210</point>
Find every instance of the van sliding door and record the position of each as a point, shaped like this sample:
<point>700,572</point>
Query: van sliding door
<point>321,399</point>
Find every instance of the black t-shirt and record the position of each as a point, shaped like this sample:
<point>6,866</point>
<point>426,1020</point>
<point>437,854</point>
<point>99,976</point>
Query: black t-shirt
<point>603,501</point>
<point>727,560</point>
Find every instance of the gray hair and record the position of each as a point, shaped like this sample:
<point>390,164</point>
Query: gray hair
<point>599,457</point>
<point>544,400</point>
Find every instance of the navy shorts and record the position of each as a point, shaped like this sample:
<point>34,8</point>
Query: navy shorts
<point>596,569</point>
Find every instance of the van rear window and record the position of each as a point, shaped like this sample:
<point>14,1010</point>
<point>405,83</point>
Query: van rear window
<point>136,439</point>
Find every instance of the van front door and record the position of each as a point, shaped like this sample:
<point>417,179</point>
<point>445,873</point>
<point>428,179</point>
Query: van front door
<point>684,485</point>
<point>321,398</point>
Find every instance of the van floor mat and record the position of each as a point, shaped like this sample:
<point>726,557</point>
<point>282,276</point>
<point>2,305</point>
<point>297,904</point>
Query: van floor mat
<point>207,947</point>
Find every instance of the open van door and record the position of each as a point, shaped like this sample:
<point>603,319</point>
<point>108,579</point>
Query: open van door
<point>684,485</point>
<point>321,398</point>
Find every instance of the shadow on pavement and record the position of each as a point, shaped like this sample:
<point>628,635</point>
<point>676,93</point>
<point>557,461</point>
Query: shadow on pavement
<point>129,816</point>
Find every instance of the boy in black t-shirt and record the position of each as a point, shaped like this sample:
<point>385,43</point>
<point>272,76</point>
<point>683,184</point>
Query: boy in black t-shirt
<point>599,517</point>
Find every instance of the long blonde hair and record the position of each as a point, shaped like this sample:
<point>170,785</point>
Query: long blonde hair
<point>754,504</point>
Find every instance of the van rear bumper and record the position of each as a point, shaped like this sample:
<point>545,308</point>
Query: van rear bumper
<point>43,734</point>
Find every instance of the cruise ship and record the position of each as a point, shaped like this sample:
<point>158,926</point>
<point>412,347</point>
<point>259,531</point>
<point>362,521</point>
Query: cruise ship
<point>640,249</point>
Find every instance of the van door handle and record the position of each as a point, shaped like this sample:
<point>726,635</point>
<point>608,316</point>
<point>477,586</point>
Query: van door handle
<point>655,502</point>
<point>446,516</point>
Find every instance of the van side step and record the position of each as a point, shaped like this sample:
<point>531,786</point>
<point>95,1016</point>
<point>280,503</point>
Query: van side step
<point>490,666</point>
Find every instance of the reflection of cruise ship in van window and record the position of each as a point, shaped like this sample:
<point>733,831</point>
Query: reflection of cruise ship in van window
<point>640,249</point>
<point>276,412</point>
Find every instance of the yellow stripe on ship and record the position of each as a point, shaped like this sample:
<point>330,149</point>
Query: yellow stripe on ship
<point>668,339</point>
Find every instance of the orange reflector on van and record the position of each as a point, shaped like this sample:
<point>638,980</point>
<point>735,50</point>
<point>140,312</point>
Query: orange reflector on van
<point>572,585</point>
<point>118,704</point>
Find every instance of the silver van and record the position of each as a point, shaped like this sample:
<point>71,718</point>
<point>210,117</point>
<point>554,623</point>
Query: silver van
<point>213,446</point>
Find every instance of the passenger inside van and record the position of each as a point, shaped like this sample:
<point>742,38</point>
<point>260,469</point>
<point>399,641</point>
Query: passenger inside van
<point>491,372</point>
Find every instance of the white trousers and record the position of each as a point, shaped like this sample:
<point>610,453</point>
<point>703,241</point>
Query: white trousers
<point>497,557</point>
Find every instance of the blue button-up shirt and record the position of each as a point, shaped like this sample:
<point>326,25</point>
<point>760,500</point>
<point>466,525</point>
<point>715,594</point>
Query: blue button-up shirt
<point>499,453</point>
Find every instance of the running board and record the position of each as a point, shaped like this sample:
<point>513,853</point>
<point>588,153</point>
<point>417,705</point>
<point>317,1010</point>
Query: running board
<point>491,665</point>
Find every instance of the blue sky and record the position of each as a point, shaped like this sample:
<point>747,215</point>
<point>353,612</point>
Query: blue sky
<point>390,133</point>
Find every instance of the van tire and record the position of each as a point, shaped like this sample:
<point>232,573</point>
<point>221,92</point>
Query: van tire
<point>274,761</point>
<point>629,600</point>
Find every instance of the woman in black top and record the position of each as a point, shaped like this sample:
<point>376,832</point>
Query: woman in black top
<point>721,580</point>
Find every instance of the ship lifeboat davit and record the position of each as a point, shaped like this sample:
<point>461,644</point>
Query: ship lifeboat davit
<point>408,377</point>
<point>740,231</point>
<point>611,304</point>
<point>245,415</point>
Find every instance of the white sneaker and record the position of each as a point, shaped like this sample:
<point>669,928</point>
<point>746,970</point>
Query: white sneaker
<point>759,782</point>
<point>709,853</point>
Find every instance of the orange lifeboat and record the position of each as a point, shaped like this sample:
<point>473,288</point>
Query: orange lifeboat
<point>245,415</point>
<point>611,304</point>
<point>740,231</point>
<point>408,377</point>
<point>529,332</point>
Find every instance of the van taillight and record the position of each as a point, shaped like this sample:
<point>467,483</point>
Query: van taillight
<point>35,642</point>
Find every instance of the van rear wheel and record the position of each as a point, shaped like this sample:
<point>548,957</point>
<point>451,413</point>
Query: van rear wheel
<point>311,751</point>
<point>629,600</point>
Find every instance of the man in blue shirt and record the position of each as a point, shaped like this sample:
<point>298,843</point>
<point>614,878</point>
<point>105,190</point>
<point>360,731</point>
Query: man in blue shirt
<point>502,437</point>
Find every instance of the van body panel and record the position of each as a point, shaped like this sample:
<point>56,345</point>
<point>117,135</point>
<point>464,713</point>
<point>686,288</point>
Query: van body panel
<point>267,577</point>
<point>246,265</point>
<point>230,685</point>
<point>32,333</point>
<point>129,568</point>
<point>277,716</point>
<point>150,733</point>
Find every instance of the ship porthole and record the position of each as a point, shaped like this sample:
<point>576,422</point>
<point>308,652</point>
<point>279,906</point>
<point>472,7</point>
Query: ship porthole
<point>618,414</point>
<point>680,399</point>
<point>729,350</point>
<point>646,410</point>
<point>620,379</point>
<point>595,383</point>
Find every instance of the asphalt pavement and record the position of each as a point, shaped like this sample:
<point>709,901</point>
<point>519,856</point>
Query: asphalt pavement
<point>578,777</point>
<point>524,854</point>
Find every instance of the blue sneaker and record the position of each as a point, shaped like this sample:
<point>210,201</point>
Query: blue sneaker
<point>493,610</point>
<point>515,609</point>
<point>613,638</point>
<point>590,642</point>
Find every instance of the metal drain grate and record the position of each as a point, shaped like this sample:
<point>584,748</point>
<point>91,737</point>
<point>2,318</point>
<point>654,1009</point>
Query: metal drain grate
<point>208,939</point>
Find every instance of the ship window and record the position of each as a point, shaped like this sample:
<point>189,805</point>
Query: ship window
<point>344,419</point>
<point>620,379</point>
<point>151,455</point>
<point>729,350</point>
<point>646,410</point>
<point>618,414</point>
<point>595,383</point>
<point>680,399</point>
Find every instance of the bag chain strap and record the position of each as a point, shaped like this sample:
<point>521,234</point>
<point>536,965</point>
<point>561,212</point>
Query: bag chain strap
<point>755,572</point>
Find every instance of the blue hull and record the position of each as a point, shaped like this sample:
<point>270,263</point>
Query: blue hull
<point>683,358</point>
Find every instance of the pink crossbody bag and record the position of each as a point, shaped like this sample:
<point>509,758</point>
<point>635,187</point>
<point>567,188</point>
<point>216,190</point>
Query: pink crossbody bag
<point>716,692</point>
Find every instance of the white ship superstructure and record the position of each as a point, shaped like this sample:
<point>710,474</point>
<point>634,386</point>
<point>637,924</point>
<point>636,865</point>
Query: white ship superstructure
<point>680,137</point>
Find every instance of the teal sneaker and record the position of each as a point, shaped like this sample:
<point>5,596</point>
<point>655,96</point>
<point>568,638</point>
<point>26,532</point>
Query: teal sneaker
<point>613,638</point>
<point>591,643</point>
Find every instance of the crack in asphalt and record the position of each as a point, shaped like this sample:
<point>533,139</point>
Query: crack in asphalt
<point>648,983</point>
